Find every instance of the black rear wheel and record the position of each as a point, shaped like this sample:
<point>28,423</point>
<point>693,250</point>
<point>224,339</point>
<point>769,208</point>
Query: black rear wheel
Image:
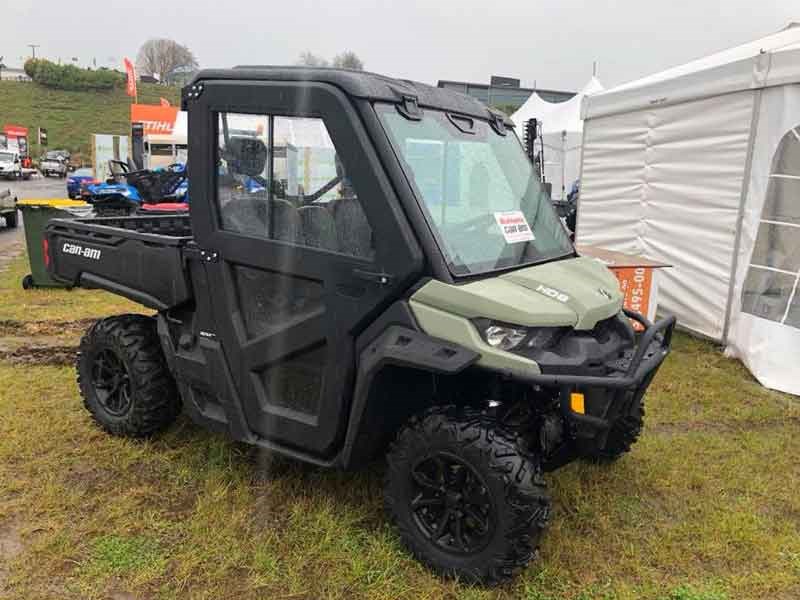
<point>466,500</point>
<point>124,379</point>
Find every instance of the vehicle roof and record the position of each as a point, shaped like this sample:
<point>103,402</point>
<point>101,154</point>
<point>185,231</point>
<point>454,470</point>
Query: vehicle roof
<point>361,84</point>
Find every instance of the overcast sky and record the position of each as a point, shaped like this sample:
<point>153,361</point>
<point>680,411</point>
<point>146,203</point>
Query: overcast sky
<point>550,42</point>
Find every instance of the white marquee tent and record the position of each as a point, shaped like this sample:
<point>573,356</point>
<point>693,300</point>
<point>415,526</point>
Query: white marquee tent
<point>562,130</point>
<point>699,166</point>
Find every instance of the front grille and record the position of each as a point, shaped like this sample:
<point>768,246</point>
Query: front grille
<point>603,350</point>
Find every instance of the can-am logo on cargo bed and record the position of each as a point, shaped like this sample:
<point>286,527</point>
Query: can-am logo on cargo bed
<point>551,293</point>
<point>78,250</point>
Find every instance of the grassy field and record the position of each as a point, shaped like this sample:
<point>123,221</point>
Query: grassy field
<point>71,117</point>
<point>706,506</point>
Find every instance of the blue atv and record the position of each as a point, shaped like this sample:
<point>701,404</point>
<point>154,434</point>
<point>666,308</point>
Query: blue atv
<point>127,190</point>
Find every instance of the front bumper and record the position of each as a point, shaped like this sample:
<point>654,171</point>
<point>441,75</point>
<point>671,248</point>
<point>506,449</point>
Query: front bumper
<point>616,395</point>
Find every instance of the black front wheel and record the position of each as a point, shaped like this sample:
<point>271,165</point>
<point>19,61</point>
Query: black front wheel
<point>623,435</point>
<point>124,379</point>
<point>466,500</point>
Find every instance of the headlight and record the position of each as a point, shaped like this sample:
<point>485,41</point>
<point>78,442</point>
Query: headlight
<point>508,337</point>
<point>504,337</point>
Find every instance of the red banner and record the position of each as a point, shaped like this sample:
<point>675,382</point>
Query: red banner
<point>130,71</point>
<point>154,117</point>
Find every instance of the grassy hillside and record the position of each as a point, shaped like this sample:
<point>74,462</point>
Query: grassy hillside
<point>71,117</point>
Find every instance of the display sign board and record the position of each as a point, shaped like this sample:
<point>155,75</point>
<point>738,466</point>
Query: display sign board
<point>637,278</point>
<point>155,118</point>
<point>107,147</point>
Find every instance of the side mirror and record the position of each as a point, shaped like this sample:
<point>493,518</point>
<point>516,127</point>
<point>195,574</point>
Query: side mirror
<point>245,156</point>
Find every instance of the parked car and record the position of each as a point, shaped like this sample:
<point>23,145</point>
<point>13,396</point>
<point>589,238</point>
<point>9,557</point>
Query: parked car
<point>10,166</point>
<point>79,179</point>
<point>8,208</point>
<point>55,162</point>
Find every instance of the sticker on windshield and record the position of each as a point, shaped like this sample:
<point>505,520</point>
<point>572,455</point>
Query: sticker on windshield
<point>514,226</point>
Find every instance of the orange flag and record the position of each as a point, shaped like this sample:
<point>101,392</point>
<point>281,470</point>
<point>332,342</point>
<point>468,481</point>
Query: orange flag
<point>165,102</point>
<point>130,71</point>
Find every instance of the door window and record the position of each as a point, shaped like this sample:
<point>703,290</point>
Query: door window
<point>300,195</point>
<point>771,287</point>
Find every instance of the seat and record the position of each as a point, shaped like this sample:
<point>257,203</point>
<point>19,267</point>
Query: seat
<point>352,228</point>
<point>319,228</point>
<point>244,213</point>
<point>285,222</point>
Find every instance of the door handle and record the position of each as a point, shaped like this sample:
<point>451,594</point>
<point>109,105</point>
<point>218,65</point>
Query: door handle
<point>373,276</point>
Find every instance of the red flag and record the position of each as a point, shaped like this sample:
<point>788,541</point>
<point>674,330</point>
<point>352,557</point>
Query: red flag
<point>165,102</point>
<point>130,89</point>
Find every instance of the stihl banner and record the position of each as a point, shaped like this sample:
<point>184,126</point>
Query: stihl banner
<point>155,118</point>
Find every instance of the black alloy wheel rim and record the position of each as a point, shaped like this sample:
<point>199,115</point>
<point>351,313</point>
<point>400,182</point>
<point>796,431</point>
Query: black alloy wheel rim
<point>451,504</point>
<point>112,383</point>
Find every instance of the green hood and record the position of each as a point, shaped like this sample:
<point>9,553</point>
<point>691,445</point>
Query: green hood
<point>576,292</point>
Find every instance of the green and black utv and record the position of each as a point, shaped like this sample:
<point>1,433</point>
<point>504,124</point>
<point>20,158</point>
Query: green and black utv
<point>370,268</point>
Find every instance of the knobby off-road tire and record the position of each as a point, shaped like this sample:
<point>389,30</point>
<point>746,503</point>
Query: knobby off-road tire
<point>124,379</point>
<point>623,435</point>
<point>493,530</point>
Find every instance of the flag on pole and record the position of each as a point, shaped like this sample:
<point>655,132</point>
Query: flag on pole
<point>165,102</point>
<point>130,71</point>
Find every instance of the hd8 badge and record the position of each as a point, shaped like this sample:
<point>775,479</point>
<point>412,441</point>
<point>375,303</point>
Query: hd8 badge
<point>514,226</point>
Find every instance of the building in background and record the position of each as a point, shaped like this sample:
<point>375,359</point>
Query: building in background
<point>503,92</point>
<point>13,74</point>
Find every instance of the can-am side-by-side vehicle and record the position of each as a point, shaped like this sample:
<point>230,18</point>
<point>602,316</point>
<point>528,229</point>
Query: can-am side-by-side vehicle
<point>370,268</point>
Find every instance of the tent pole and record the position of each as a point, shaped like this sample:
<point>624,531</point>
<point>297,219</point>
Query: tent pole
<point>748,166</point>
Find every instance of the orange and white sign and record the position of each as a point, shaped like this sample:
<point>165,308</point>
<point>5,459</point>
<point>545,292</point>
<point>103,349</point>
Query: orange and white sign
<point>636,284</point>
<point>637,277</point>
<point>155,118</point>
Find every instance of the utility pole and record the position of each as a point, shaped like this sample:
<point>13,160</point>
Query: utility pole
<point>33,48</point>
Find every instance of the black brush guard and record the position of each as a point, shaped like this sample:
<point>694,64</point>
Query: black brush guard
<point>614,396</point>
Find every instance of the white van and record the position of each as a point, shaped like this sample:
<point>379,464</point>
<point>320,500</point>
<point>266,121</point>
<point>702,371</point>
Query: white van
<point>10,164</point>
<point>164,150</point>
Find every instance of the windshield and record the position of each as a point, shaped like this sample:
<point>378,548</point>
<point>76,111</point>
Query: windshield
<point>479,191</point>
<point>6,157</point>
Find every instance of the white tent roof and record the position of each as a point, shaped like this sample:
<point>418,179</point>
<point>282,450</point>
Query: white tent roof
<point>555,116</point>
<point>769,61</point>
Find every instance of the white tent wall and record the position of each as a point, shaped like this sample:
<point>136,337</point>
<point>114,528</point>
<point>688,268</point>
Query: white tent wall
<point>559,120</point>
<point>562,161</point>
<point>770,350</point>
<point>666,182</point>
<point>681,166</point>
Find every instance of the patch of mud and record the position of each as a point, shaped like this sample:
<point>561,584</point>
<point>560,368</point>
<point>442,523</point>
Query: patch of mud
<point>10,327</point>
<point>10,548</point>
<point>39,355</point>
<point>721,426</point>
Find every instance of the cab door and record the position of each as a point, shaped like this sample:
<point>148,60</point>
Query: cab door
<point>307,250</point>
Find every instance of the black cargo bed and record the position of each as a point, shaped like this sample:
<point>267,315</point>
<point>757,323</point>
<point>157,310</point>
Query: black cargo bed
<point>139,257</point>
